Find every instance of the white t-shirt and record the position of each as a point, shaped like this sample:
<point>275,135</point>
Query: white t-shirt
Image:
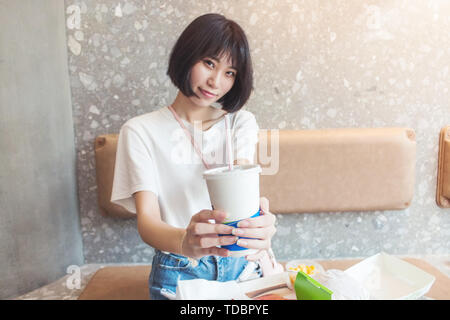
<point>154,154</point>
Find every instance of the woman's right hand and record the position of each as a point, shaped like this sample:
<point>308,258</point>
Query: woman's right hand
<point>202,237</point>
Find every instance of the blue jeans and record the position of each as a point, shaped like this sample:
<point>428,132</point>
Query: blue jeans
<point>168,268</point>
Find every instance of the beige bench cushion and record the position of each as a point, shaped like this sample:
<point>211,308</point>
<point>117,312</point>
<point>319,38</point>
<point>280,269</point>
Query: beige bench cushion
<point>342,170</point>
<point>443,178</point>
<point>105,158</point>
<point>318,170</point>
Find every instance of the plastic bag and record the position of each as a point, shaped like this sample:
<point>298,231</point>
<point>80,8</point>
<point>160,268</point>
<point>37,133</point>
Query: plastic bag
<point>344,287</point>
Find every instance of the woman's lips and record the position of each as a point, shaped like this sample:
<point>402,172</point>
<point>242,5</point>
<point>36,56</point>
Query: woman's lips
<point>207,94</point>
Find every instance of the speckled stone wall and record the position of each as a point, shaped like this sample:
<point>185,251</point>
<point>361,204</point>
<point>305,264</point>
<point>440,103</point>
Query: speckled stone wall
<point>318,64</point>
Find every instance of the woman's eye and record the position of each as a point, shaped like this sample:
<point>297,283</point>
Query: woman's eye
<point>209,63</point>
<point>231,74</point>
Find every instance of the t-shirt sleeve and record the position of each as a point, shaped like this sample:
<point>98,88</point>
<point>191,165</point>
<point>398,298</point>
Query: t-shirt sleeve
<point>245,136</point>
<point>134,169</point>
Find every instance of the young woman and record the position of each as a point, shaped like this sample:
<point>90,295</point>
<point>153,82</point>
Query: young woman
<point>210,63</point>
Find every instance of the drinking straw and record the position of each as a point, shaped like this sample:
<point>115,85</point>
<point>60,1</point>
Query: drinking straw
<point>229,144</point>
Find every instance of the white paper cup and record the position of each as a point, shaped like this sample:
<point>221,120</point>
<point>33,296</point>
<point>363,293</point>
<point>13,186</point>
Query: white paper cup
<point>237,193</point>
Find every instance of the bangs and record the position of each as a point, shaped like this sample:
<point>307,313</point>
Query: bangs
<point>229,47</point>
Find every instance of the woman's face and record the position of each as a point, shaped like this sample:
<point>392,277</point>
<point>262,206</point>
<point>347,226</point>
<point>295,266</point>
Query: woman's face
<point>211,79</point>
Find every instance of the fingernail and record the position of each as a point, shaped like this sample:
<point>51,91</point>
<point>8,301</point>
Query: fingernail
<point>237,232</point>
<point>242,243</point>
<point>232,240</point>
<point>243,224</point>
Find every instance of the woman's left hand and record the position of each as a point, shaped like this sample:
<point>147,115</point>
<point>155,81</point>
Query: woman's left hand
<point>262,228</point>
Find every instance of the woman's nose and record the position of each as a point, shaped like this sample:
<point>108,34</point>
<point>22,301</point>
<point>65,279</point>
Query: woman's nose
<point>214,79</point>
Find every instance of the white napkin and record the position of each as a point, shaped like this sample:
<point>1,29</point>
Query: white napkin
<point>201,289</point>
<point>344,286</point>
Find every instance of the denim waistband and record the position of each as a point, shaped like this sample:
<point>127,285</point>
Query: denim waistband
<point>169,268</point>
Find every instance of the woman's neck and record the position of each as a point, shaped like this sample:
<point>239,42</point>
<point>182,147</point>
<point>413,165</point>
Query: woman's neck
<point>190,112</point>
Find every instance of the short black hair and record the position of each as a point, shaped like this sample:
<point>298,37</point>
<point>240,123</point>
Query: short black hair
<point>213,35</point>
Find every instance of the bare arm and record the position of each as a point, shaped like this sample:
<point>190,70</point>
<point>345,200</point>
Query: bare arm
<point>152,229</point>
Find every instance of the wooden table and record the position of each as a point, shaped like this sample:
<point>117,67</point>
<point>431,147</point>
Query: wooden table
<point>131,282</point>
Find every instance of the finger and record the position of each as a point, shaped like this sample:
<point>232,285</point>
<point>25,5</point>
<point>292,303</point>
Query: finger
<point>264,220</point>
<point>258,233</point>
<point>219,216</point>
<point>254,243</point>
<point>214,240</point>
<point>202,228</point>
<point>256,256</point>
<point>215,251</point>
<point>264,203</point>
<point>206,215</point>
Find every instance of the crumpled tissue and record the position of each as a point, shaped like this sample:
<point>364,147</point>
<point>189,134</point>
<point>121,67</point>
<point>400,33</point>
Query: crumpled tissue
<point>344,287</point>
